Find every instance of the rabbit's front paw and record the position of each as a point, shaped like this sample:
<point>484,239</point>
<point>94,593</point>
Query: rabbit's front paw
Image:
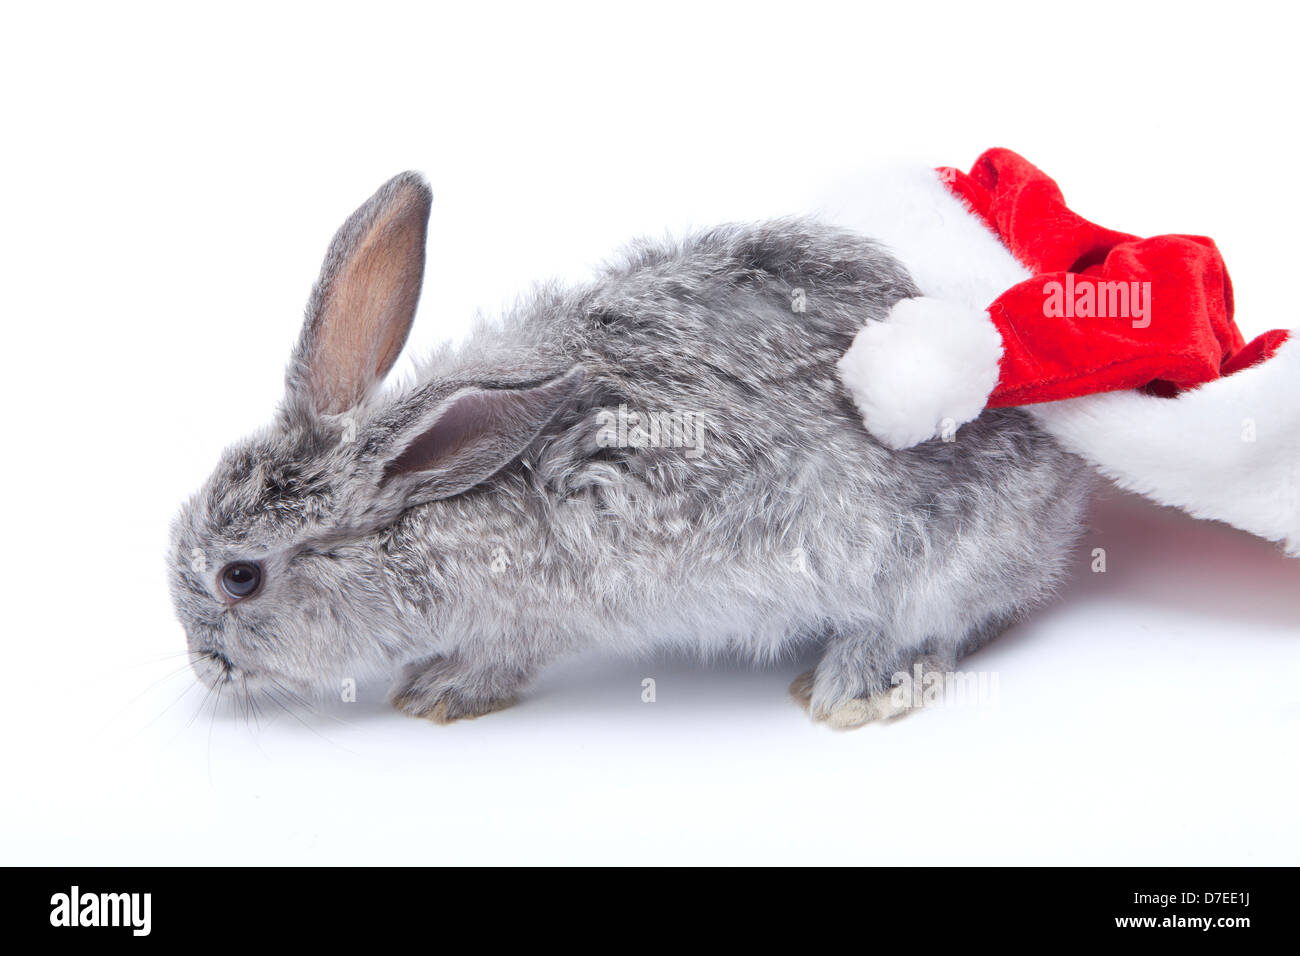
<point>443,690</point>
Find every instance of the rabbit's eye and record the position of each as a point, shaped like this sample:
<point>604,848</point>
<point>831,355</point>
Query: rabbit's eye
<point>241,579</point>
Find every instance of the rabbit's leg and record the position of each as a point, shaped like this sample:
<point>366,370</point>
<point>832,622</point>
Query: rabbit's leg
<point>856,680</point>
<point>853,682</point>
<point>886,704</point>
<point>443,689</point>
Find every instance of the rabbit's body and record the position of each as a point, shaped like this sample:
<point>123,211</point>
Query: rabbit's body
<point>758,515</point>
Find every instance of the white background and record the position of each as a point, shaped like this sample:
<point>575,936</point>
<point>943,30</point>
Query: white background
<point>169,183</point>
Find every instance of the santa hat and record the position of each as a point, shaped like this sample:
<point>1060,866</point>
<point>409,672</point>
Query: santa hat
<point>1124,349</point>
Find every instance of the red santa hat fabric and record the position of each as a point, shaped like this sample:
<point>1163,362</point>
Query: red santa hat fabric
<point>1104,310</point>
<point>1161,393</point>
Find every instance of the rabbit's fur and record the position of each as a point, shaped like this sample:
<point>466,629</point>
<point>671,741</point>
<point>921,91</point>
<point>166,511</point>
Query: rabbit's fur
<point>469,528</point>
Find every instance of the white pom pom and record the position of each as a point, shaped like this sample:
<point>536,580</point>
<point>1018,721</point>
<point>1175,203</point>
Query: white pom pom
<point>930,366</point>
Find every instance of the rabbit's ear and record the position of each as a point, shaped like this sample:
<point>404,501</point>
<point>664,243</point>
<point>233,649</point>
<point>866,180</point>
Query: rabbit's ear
<point>361,307</point>
<point>469,436</point>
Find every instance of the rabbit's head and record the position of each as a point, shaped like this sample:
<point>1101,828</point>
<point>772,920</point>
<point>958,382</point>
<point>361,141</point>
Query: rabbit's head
<point>279,564</point>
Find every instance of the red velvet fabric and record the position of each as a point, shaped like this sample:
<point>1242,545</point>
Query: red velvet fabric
<point>1105,310</point>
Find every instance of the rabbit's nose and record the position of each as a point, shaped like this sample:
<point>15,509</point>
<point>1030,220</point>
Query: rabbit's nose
<point>213,667</point>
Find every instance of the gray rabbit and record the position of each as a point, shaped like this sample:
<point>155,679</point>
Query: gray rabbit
<point>662,457</point>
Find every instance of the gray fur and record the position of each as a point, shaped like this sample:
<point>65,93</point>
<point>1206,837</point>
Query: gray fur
<point>793,524</point>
